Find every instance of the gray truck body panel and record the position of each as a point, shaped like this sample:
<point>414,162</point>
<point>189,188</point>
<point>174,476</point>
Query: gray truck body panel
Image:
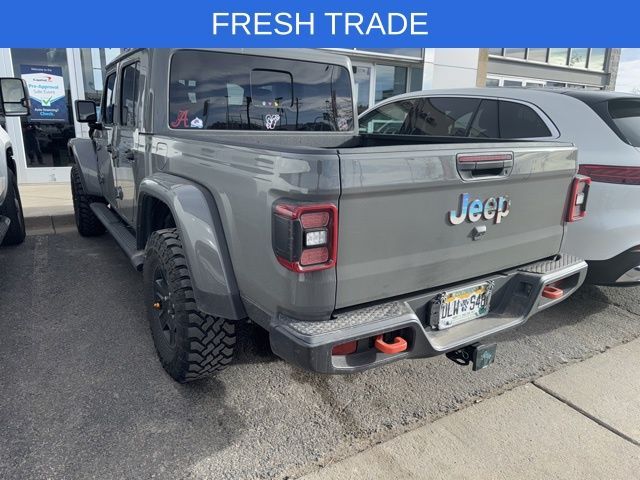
<point>206,253</point>
<point>84,153</point>
<point>394,239</point>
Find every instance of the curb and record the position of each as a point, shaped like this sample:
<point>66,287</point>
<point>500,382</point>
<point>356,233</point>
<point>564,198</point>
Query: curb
<point>49,224</point>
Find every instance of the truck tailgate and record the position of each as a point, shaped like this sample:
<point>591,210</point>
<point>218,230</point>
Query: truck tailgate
<point>401,228</point>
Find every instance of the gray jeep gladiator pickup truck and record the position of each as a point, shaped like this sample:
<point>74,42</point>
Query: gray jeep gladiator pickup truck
<point>237,181</point>
<point>14,102</point>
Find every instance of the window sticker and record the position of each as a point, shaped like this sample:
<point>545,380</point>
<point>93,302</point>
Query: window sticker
<point>181,119</point>
<point>343,124</point>
<point>270,121</point>
<point>197,123</point>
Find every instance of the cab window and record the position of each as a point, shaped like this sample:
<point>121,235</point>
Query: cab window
<point>129,94</point>
<point>106,109</point>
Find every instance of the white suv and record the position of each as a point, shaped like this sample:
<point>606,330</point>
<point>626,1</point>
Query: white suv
<point>605,126</point>
<point>14,102</point>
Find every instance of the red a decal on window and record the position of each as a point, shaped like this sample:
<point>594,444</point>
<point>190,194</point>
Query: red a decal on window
<point>183,118</point>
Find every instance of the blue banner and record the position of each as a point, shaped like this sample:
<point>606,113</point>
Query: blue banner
<point>330,23</point>
<point>47,92</point>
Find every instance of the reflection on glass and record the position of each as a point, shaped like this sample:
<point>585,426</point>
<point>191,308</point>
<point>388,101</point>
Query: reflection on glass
<point>558,56</point>
<point>514,52</point>
<point>362,78</point>
<point>597,58</point>
<point>578,57</point>
<point>537,54</point>
<point>390,81</point>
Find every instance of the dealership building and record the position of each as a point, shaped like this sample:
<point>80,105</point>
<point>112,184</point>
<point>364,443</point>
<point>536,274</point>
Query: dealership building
<point>63,75</point>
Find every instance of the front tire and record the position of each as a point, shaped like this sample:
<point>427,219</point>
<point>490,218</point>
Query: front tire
<point>86,221</point>
<point>190,344</point>
<point>12,208</point>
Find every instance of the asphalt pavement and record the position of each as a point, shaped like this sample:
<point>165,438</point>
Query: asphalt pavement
<point>83,395</point>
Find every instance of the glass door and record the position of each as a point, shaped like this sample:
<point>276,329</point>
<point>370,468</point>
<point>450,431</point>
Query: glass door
<point>56,77</point>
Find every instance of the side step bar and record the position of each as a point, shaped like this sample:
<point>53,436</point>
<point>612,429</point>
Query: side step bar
<point>120,233</point>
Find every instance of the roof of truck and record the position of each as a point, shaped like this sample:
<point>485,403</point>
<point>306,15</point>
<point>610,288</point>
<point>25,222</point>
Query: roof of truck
<point>306,54</point>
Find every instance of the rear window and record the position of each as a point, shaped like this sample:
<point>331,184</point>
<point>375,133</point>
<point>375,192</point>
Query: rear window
<point>387,119</point>
<point>626,117</point>
<point>445,117</point>
<point>520,121</point>
<point>222,91</point>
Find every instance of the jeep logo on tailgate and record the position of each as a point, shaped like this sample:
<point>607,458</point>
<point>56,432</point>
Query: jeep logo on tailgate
<point>492,208</point>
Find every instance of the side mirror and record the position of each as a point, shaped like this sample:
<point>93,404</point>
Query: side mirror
<point>86,111</point>
<point>14,98</point>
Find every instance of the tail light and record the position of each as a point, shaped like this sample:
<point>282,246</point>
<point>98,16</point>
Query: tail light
<point>305,237</point>
<point>578,199</point>
<point>611,174</point>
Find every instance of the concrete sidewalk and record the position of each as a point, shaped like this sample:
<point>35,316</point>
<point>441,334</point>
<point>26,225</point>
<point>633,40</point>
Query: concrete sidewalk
<point>580,422</point>
<point>46,199</point>
<point>48,208</point>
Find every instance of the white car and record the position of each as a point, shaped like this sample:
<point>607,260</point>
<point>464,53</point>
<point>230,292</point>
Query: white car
<point>14,102</point>
<point>605,126</point>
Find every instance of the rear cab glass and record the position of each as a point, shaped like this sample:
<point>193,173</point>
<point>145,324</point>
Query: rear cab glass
<point>225,91</point>
<point>625,114</point>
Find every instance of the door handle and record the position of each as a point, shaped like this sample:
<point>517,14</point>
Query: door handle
<point>481,165</point>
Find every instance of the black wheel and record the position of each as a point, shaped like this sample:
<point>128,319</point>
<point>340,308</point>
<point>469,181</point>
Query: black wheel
<point>190,344</point>
<point>12,208</point>
<point>87,223</point>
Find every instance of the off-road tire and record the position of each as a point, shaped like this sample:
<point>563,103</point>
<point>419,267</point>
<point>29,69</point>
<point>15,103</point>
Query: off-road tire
<point>202,344</point>
<point>12,208</point>
<point>86,221</point>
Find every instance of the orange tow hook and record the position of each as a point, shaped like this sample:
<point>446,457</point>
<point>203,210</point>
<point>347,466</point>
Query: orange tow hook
<point>552,292</point>
<point>399,345</point>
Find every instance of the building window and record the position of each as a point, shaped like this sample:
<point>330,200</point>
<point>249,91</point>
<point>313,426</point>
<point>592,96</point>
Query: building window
<point>390,80</point>
<point>415,80</point>
<point>515,52</point>
<point>93,62</point>
<point>492,82</point>
<point>578,57</point>
<point>405,52</point>
<point>597,58</point>
<point>495,51</point>
<point>558,56</point>
<point>362,80</point>
<point>537,54</point>
<point>512,83</point>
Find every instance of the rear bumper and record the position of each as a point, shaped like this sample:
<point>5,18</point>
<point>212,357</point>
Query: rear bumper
<point>517,295</point>
<point>621,270</point>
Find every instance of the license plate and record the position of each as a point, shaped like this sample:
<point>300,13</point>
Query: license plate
<point>464,304</point>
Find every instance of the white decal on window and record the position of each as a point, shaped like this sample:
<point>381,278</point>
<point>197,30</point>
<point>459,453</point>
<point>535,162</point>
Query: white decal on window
<point>196,123</point>
<point>270,121</point>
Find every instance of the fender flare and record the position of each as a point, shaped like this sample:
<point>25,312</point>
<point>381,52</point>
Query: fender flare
<point>197,218</point>
<point>84,155</point>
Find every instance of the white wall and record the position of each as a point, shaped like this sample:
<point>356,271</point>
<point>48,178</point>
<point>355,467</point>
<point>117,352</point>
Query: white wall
<point>450,67</point>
